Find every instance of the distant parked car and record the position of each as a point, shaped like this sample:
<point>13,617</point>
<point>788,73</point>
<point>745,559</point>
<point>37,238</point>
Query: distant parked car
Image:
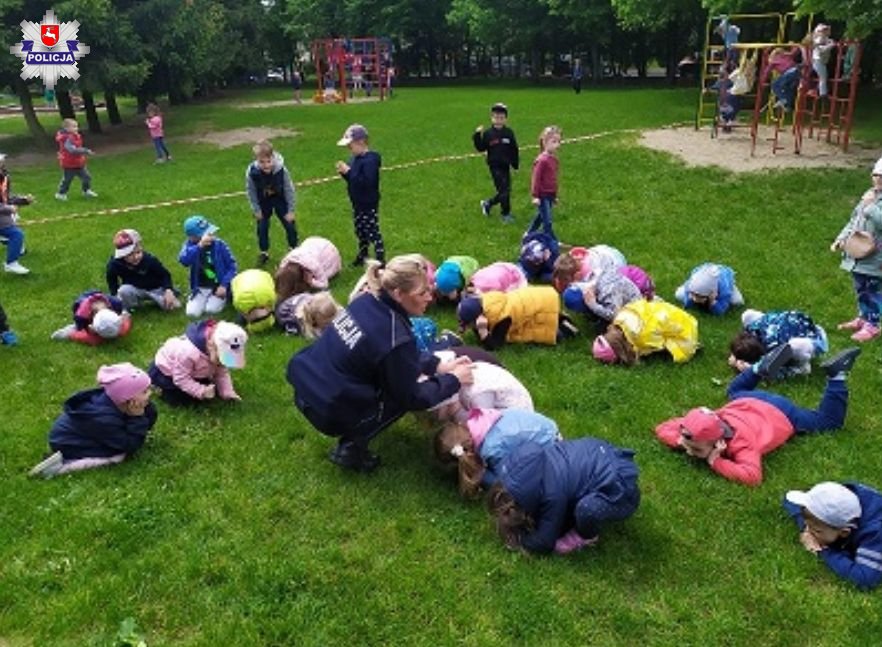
<point>275,75</point>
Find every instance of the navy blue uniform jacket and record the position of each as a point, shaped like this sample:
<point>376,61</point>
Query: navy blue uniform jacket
<point>364,364</point>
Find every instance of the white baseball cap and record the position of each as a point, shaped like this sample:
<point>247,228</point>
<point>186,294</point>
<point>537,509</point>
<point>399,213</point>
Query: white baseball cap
<point>107,324</point>
<point>230,340</point>
<point>877,167</point>
<point>832,503</point>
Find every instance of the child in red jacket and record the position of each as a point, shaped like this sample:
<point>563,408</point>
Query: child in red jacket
<point>72,158</point>
<point>734,438</point>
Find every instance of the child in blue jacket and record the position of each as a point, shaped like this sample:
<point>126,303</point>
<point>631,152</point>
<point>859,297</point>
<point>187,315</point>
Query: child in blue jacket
<point>101,426</point>
<point>489,435</point>
<point>555,498</point>
<point>841,523</point>
<point>712,287</point>
<point>212,267</point>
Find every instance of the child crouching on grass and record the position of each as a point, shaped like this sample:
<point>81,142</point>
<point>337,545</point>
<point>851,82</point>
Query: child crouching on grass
<point>137,276</point>
<point>841,523</point>
<point>478,444</point>
<point>101,426</point>
<point>764,332</point>
<point>97,317</point>
<point>557,497</point>
<point>307,314</point>
<point>643,327</point>
<point>193,367</point>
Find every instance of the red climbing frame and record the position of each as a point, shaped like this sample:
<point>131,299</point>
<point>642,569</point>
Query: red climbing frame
<point>352,64</point>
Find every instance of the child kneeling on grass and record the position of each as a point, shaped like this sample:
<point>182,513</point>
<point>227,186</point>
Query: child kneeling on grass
<point>453,275</point>
<point>842,524</point>
<point>101,426</point>
<point>766,331</point>
<point>710,286</point>
<point>193,367</point>
<point>643,327</point>
<point>734,438</point>
<point>478,444</point>
<point>556,497</point>
<point>307,313</point>
<point>97,318</point>
<point>254,298</point>
<point>309,266</point>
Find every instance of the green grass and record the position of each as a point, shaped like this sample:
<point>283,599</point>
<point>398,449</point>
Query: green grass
<point>231,528</point>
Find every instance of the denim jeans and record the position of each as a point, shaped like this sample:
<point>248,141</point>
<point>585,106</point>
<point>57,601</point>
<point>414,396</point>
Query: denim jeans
<point>869,296</point>
<point>829,415</point>
<point>161,150</point>
<point>14,242</point>
<point>542,219</point>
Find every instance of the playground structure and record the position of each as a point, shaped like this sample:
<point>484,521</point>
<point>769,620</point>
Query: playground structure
<point>345,66</point>
<point>831,116</point>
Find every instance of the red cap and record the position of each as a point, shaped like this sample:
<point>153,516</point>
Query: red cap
<point>703,424</point>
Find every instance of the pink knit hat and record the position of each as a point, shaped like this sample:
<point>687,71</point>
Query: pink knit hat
<point>122,382</point>
<point>602,351</point>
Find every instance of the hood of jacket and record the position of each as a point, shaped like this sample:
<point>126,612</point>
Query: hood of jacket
<point>198,331</point>
<point>522,474</point>
<point>278,163</point>
<point>90,404</point>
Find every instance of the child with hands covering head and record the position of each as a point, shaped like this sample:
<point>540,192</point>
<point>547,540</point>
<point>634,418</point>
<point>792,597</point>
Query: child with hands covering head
<point>711,287</point>
<point>212,267</point>
<point>97,317</point>
<point>557,497</point>
<point>101,426</point>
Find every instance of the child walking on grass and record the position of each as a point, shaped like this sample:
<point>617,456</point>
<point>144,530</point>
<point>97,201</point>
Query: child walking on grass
<point>72,158</point>
<point>157,134</point>
<point>362,175</point>
<point>502,155</point>
<point>543,184</point>
<point>557,497</point>
<point>270,189</point>
<point>101,426</point>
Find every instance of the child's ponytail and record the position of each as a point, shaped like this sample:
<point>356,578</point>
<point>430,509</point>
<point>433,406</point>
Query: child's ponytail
<point>454,443</point>
<point>547,132</point>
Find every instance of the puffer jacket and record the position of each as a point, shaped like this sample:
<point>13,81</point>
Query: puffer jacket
<point>534,312</point>
<point>254,289</point>
<point>319,256</point>
<point>185,360</point>
<point>499,277</point>
<point>651,326</point>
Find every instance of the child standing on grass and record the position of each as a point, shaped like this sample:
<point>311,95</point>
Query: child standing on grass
<point>7,336</point>
<point>194,366</point>
<point>9,229</point>
<point>212,267</point>
<point>362,175</point>
<point>556,497</point>
<point>865,265</point>
<point>137,277</point>
<point>157,134</point>
<point>734,438</point>
<point>97,317</point>
<point>841,523</point>
<point>101,426</point>
<point>270,189</point>
<point>72,158</point>
<point>543,184</point>
<point>502,155</point>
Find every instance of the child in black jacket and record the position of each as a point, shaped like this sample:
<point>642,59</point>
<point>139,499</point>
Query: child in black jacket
<point>135,276</point>
<point>362,175</point>
<point>502,155</point>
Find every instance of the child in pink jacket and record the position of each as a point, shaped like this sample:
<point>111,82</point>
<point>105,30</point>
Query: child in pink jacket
<point>157,134</point>
<point>734,438</point>
<point>497,277</point>
<point>193,367</point>
<point>309,266</point>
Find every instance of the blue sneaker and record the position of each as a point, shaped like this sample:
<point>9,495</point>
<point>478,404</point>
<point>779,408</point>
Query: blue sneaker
<point>8,338</point>
<point>507,218</point>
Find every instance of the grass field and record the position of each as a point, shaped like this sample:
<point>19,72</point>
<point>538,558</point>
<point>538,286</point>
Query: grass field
<point>230,527</point>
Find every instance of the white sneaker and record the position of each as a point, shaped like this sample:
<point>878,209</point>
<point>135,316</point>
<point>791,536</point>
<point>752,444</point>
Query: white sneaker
<point>90,194</point>
<point>15,268</point>
<point>61,196</point>
<point>63,333</point>
<point>48,467</point>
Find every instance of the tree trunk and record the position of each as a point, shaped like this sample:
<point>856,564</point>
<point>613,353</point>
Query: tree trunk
<point>112,108</point>
<point>596,69</point>
<point>65,105</point>
<point>91,113</point>
<point>38,133</point>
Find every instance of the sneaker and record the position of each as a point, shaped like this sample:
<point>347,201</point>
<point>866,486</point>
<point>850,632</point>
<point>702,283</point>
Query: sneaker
<point>868,332</point>
<point>507,218</point>
<point>772,362</point>
<point>262,259</point>
<point>63,333</point>
<point>159,160</point>
<point>8,338</point>
<point>358,262</point>
<point>485,208</point>
<point>90,194</point>
<point>450,337</point>
<point>854,324</point>
<point>48,467</point>
<point>567,328</point>
<point>841,362</point>
<point>61,196</point>
<point>351,457</point>
<point>15,268</point>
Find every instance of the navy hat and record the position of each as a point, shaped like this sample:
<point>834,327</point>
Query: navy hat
<point>469,309</point>
<point>499,107</point>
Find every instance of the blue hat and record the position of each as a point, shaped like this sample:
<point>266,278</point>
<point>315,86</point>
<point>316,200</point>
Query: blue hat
<point>198,226</point>
<point>533,253</point>
<point>448,277</point>
<point>574,299</point>
<point>469,309</point>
